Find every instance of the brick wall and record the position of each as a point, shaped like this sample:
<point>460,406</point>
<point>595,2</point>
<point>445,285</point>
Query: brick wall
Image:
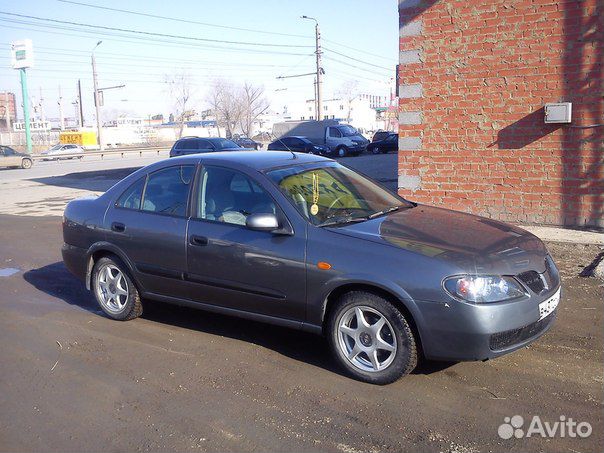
<point>473,78</point>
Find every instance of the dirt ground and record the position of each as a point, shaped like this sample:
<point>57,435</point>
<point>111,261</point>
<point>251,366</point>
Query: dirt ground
<point>185,380</point>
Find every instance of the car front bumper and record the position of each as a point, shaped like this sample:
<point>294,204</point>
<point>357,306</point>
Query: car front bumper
<point>459,331</point>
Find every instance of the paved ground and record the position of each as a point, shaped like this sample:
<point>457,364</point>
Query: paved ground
<point>179,379</point>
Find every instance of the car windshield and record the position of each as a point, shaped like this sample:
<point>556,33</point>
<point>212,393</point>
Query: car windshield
<point>55,147</point>
<point>223,143</point>
<point>332,194</point>
<point>348,131</point>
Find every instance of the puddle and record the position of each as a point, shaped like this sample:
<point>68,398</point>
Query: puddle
<point>8,271</point>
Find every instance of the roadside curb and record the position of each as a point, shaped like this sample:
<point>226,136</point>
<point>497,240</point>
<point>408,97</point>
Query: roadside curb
<point>552,234</point>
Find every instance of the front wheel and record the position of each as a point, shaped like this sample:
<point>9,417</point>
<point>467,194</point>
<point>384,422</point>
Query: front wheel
<point>26,163</point>
<point>371,339</point>
<point>342,151</point>
<point>114,290</point>
<point>375,150</point>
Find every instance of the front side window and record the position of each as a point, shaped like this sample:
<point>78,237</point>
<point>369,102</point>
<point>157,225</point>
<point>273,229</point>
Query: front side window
<point>167,190</point>
<point>188,144</point>
<point>333,132</point>
<point>334,194</point>
<point>230,196</point>
<point>223,143</point>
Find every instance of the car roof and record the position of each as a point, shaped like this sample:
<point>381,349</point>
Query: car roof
<point>203,138</point>
<point>257,160</point>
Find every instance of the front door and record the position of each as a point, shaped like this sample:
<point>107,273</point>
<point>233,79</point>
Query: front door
<point>235,267</point>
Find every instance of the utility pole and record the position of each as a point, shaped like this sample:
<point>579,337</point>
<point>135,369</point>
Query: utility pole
<point>25,109</point>
<point>61,116</point>
<point>318,97</point>
<point>41,104</point>
<point>80,107</point>
<point>96,98</point>
<point>7,104</point>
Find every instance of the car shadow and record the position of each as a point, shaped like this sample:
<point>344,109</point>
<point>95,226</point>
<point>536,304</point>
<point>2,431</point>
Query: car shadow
<point>97,180</point>
<point>55,280</point>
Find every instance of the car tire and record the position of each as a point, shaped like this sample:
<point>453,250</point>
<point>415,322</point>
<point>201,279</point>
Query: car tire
<point>26,163</point>
<point>375,150</point>
<point>114,290</point>
<point>394,332</point>
<point>341,151</point>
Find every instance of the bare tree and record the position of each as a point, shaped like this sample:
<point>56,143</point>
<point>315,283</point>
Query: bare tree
<point>349,91</point>
<point>180,91</point>
<point>254,104</point>
<point>225,99</point>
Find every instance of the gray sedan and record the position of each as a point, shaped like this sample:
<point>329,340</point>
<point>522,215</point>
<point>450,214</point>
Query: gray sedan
<point>300,241</point>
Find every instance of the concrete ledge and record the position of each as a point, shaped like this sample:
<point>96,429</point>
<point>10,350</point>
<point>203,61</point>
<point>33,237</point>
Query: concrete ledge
<point>413,28</point>
<point>409,182</point>
<point>404,4</point>
<point>409,56</point>
<point>408,91</point>
<point>409,143</point>
<point>553,234</point>
<point>408,118</point>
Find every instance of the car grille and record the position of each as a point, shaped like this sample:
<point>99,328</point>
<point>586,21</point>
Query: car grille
<point>539,283</point>
<point>533,280</point>
<point>509,338</point>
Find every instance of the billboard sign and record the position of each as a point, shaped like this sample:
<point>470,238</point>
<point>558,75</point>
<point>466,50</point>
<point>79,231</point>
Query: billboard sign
<point>33,126</point>
<point>22,54</point>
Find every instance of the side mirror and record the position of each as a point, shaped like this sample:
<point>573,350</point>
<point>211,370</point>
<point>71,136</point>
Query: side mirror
<point>262,222</point>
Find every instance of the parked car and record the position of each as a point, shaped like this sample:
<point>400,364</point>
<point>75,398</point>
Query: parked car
<point>340,139</point>
<point>195,145</point>
<point>380,135</point>
<point>246,142</point>
<point>301,241</point>
<point>11,158</point>
<point>385,145</point>
<point>297,144</point>
<point>60,151</point>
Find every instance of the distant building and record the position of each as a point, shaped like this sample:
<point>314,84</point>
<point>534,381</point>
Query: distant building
<point>8,109</point>
<point>356,112</point>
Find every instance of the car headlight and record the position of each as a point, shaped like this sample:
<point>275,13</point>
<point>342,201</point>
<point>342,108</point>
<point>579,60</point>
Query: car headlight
<point>483,288</point>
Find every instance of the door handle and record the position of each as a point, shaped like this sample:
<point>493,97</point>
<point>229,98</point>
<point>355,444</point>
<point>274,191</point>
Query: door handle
<point>118,227</point>
<point>198,240</point>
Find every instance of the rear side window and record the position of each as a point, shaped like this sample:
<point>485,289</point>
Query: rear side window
<point>131,198</point>
<point>188,144</point>
<point>167,190</point>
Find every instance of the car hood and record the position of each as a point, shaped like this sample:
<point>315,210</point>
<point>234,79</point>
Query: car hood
<point>472,244</point>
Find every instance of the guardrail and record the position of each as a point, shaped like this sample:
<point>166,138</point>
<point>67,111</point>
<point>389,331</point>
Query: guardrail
<point>107,152</point>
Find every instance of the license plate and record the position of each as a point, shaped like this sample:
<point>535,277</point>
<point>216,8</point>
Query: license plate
<point>549,305</point>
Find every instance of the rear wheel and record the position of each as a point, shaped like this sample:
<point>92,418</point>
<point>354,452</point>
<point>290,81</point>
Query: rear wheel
<point>371,339</point>
<point>26,163</point>
<point>114,290</point>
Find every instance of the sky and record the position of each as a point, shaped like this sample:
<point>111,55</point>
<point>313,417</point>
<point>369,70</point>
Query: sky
<point>234,40</point>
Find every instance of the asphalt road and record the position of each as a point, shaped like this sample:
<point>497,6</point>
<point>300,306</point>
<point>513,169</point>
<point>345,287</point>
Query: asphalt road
<point>180,379</point>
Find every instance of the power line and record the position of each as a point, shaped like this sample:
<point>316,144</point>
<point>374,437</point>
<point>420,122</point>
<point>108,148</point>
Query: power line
<point>356,59</point>
<point>149,33</point>
<point>355,49</point>
<point>175,19</point>
<point>129,39</point>
<point>371,71</point>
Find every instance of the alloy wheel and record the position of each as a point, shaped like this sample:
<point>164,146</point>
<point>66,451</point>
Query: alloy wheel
<point>112,288</point>
<point>366,338</point>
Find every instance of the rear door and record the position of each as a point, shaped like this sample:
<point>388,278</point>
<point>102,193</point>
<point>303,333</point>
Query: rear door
<point>148,223</point>
<point>11,158</point>
<point>232,266</point>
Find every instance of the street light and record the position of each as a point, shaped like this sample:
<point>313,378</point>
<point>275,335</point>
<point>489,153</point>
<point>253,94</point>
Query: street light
<point>96,98</point>
<point>319,69</point>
